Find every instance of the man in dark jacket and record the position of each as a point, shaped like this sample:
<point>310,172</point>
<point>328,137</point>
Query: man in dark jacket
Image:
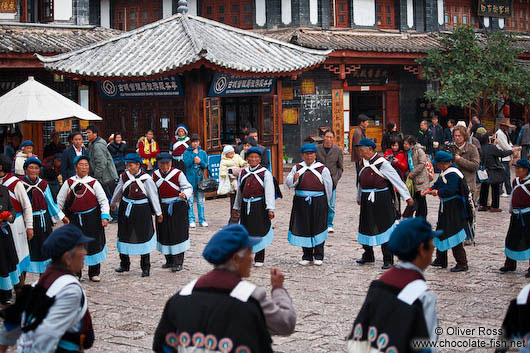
<point>264,150</point>
<point>448,131</point>
<point>437,133</point>
<point>101,163</point>
<point>330,155</point>
<point>75,149</point>
<point>425,138</point>
<point>220,311</point>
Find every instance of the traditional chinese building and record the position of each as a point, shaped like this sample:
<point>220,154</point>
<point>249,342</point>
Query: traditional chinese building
<point>189,70</point>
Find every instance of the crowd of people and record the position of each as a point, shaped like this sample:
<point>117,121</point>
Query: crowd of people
<point>166,185</point>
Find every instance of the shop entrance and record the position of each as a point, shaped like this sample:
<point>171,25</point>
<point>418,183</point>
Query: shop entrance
<point>372,104</point>
<point>236,114</point>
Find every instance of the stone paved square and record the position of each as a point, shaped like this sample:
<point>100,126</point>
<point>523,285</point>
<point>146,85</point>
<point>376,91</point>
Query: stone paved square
<point>126,308</point>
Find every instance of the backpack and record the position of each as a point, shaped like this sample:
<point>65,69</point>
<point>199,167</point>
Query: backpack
<point>429,168</point>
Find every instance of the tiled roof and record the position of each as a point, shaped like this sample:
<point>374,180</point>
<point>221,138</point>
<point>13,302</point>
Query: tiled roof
<point>182,40</point>
<point>351,39</point>
<point>49,39</point>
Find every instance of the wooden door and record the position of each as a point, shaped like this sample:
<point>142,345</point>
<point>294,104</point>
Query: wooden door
<point>268,129</point>
<point>385,13</point>
<point>212,124</point>
<point>342,13</point>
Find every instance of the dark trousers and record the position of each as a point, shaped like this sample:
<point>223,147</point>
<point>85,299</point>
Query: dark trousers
<point>513,264</point>
<point>507,179</point>
<point>175,259</point>
<point>369,254</point>
<point>421,205</point>
<point>5,295</point>
<point>94,270</point>
<point>232,201</point>
<point>459,254</point>
<point>145,262</point>
<point>315,253</point>
<point>495,194</point>
<point>260,256</point>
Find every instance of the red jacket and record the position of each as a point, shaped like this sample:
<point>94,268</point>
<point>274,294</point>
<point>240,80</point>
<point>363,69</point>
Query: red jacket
<point>400,161</point>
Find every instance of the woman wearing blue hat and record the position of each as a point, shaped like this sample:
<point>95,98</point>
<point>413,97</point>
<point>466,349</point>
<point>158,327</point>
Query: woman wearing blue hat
<point>84,201</point>
<point>45,213</point>
<point>138,197</point>
<point>26,151</point>
<point>308,226</point>
<point>517,246</point>
<point>375,194</point>
<point>173,232</point>
<point>453,215</point>
<point>179,144</point>
<point>9,264</point>
<point>255,203</point>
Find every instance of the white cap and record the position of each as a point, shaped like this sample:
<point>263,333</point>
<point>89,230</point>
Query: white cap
<point>461,123</point>
<point>228,149</point>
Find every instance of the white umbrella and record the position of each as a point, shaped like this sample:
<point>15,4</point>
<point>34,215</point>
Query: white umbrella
<point>33,101</point>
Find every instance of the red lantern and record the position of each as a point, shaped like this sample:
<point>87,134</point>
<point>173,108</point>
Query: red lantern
<point>443,111</point>
<point>506,110</point>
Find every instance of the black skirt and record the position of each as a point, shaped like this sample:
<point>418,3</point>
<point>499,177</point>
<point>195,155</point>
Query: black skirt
<point>257,222</point>
<point>8,259</point>
<point>308,226</point>
<point>135,233</point>
<point>173,233</point>
<point>90,224</point>
<point>377,219</point>
<point>38,261</point>
<point>452,219</point>
<point>517,246</point>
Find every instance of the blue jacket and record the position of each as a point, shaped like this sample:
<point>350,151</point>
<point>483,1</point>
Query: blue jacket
<point>194,172</point>
<point>67,165</point>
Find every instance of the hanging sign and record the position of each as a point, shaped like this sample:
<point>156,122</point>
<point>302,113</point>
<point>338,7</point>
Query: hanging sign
<point>230,85</point>
<point>63,125</point>
<point>9,6</point>
<point>337,113</point>
<point>162,87</point>
<point>368,75</point>
<point>495,8</point>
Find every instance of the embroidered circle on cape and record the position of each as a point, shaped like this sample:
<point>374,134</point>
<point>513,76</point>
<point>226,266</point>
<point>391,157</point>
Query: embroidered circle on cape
<point>172,340</point>
<point>382,341</point>
<point>372,333</point>
<point>210,342</point>
<point>358,331</point>
<point>225,345</point>
<point>198,339</point>
<point>242,349</point>
<point>185,339</point>
<point>392,350</point>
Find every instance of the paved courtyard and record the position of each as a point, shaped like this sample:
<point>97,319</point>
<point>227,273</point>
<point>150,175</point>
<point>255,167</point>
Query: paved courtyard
<point>126,308</point>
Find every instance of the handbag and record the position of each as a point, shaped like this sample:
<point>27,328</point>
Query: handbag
<point>482,175</point>
<point>208,185</point>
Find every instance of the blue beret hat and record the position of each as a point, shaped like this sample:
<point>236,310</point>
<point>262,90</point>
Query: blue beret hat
<point>523,163</point>
<point>253,150</point>
<point>409,234</point>
<point>308,147</point>
<point>164,157</point>
<point>31,160</point>
<point>26,143</point>
<point>442,156</point>
<point>366,142</point>
<point>226,242</point>
<point>62,240</point>
<point>133,158</point>
<point>58,155</point>
<point>78,158</point>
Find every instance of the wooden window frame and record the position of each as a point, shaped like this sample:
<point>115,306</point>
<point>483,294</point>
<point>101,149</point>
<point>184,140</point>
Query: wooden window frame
<point>43,6</point>
<point>456,10</point>
<point>153,9</point>
<point>336,12</point>
<point>231,12</point>
<point>385,15</point>
<point>514,22</point>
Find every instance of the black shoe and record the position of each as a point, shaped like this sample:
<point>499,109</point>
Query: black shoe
<point>145,273</point>
<point>167,265</point>
<point>507,269</point>
<point>437,263</point>
<point>122,269</point>
<point>527,274</point>
<point>364,260</point>
<point>6,302</point>
<point>386,266</point>
<point>459,268</point>
<point>176,268</point>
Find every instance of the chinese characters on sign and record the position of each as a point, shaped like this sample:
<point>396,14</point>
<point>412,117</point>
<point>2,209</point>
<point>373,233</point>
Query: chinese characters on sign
<point>495,8</point>
<point>8,6</point>
<point>229,85</point>
<point>63,125</point>
<point>337,105</point>
<point>308,86</point>
<point>368,76</point>
<point>290,116</point>
<point>162,87</point>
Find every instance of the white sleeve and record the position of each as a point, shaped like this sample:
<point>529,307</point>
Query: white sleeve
<point>502,141</point>
<point>185,186</point>
<point>102,200</point>
<point>428,301</point>
<point>289,181</point>
<point>27,210</point>
<point>328,183</point>
<point>270,193</point>
<point>239,195</point>
<point>118,191</point>
<point>152,194</point>
<point>390,173</point>
<point>61,196</point>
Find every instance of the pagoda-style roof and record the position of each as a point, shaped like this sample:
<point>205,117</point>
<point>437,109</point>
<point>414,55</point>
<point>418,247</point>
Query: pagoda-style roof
<point>183,42</point>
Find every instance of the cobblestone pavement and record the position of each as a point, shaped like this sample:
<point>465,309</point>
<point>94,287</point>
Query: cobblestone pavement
<point>126,308</point>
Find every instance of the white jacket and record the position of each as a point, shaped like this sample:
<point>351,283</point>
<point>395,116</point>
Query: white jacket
<point>503,144</point>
